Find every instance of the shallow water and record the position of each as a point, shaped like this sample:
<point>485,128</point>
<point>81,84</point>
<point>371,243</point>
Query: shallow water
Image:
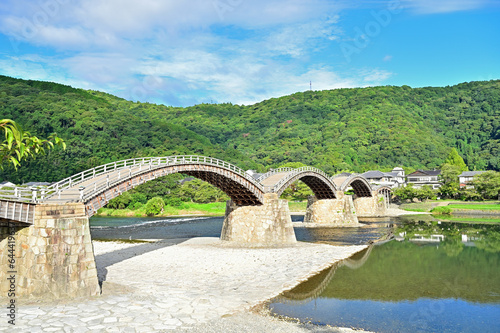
<point>154,227</point>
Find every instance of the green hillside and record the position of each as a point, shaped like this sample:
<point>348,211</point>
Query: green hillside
<point>344,129</point>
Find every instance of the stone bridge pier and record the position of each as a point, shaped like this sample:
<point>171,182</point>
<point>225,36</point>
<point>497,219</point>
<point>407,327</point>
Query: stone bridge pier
<point>265,225</point>
<point>51,258</point>
<point>370,206</point>
<point>331,212</point>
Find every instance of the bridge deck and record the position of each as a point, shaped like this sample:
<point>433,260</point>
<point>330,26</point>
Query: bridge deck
<point>72,194</point>
<point>273,179</point>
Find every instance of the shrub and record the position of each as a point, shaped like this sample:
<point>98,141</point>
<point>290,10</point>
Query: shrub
<point>441,210</point>
<point>120,202</point>
<point>137,200</point>
<point>174,202</point>
<point>135,206</point>
<point>154,206</point>
<point>470,195</point>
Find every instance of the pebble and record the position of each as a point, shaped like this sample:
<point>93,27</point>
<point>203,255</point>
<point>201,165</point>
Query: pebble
<point>178,287</point>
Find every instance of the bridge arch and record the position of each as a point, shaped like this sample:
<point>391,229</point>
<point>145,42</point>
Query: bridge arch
<point>359,184</point>
<point>319,182</point>
<point>95,187</point>
<point>386,192</point>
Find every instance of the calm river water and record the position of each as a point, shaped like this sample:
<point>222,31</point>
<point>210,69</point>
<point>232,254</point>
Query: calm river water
<point>431,277</point>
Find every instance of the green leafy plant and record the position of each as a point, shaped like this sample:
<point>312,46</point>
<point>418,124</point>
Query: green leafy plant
<point>441,210</point>
<point>20,145</point>
<point>154,206</point>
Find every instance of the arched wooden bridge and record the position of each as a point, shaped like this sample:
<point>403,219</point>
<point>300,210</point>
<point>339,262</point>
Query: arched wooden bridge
<point>95,187</point>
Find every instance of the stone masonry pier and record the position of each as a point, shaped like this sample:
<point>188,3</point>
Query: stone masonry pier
<point>52,258</point>
<point>338,212</point>
<point>265,225</point>
<point>370,206</point>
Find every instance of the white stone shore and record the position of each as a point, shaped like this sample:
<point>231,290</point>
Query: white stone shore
<point>199,285</point>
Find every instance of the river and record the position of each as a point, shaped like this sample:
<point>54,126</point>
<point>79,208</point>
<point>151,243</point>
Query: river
<point>432,276</point>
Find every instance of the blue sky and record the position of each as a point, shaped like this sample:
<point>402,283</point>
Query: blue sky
<point>183,53</point>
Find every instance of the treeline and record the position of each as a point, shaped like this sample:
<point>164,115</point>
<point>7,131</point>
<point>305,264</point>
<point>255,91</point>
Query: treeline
<point>485,186</point>
<point>335,130</point>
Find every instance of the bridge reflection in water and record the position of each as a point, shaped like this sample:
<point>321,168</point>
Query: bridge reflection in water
<point>314,286</point>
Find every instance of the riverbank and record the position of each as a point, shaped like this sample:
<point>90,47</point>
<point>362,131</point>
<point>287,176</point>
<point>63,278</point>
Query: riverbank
<point>186,209</point>
<point>219,209</point>
<point>199,283</point>
<point>427,206</point>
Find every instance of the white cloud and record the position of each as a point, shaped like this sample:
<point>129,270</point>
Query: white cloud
<point>444,6</point>
<point>180,52</point>
<point>374,76</point>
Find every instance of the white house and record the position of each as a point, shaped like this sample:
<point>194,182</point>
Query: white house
<point>468,176</point>
<point>393,179</point>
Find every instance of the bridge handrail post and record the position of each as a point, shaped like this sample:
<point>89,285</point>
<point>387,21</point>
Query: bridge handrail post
<point>81,189</point>
<point>33,194</point>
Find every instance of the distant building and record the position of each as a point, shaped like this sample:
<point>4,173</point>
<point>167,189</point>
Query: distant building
<point>7,184</point>
<point>32,184</point>
<point>254,174</point>
<point>466,177</point>
<point>393,179</point>
<point>420,178</point>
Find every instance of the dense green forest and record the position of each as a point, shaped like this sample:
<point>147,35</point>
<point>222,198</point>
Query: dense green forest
<point>335,130</point>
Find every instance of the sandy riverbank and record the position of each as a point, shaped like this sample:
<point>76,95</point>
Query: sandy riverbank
<point>200,285</point>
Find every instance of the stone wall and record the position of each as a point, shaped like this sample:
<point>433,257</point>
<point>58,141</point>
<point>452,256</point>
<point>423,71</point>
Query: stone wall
<point>54,257</point>
<point>265,225</point>
<point>332,212</point>
<point>370,206</point>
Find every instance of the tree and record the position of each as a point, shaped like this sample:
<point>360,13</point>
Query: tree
<point>20,145</point>
<point>449,177</point>
<point>406,193</point>
<point>154,206</point>
<point>455,159</point>
<point>426,193</point>
<point>487,184</point>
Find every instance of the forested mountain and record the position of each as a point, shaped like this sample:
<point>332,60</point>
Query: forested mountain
<point>335,130</point>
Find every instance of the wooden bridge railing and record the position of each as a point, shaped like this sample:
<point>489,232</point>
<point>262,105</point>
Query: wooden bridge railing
<point>135,166</point>
<point>292,173</point>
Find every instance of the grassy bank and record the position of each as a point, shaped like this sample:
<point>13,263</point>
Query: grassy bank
<point>476,206</point>
<point>297,206</point>
<point>446,210</point>
<point>187,208</point>
<point>451,218</point>
<point>419,206</point>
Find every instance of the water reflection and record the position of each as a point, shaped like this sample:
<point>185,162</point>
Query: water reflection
<point>436,276</point>
<point>372,230</point>
<point>452,236</point>
<point>313,287</point>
